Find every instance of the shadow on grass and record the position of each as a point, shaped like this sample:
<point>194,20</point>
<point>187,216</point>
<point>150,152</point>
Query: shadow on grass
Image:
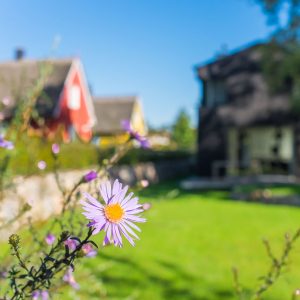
<point>179,284</point>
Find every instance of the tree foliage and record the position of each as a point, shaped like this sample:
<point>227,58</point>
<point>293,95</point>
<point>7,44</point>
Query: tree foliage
<point>182,131</point>
<point>281,56</point>
<point>284,15</point>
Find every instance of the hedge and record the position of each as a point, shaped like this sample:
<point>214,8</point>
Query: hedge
<point>24,158</point>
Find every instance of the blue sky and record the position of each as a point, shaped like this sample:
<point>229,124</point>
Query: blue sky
<point>139,47</point>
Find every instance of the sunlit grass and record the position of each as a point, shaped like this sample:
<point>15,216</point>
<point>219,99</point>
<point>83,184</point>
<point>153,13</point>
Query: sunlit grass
<point>188,247</point>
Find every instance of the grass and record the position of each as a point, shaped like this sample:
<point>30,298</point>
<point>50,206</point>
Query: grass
<point>188,247</point>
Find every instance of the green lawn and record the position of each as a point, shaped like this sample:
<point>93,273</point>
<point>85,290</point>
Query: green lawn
<point>188,247</point>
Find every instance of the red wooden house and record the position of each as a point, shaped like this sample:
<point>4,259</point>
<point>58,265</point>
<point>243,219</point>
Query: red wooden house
<point>64,104</point>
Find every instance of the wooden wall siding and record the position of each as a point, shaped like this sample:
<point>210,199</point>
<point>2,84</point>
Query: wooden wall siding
<point>248,103</point>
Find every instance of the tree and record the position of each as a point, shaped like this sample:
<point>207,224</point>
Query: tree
<point>287,30</point>
<point>182,131</point>
<point>281,56</point>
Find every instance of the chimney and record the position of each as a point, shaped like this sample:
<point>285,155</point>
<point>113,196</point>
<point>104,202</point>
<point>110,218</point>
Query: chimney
<point>19,53</point>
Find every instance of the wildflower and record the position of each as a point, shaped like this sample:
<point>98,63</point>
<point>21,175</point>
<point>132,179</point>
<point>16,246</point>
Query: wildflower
<point>147,206</point>
<point>90,176</point>
<point>134,134</point>
<point>55,148</point>
<point>6,101</point>
<point>144,183</point>
<point>116,216</point>
<point>37,295</point>
<point>3,274</point>
<point>70,279</point>
<point>14,241</point>
<point>71,244</point>
<point>50,239</point>
<point>42,165</point>
<point>88,250</point>
<point>6,144</point>
<point>30,202</point>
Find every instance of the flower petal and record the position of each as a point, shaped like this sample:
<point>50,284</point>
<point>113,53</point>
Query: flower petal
<point>117,187</point>
<point>123,230</point>
<point>129,230</point>
<point>126,199</point>
<point>92,200</point>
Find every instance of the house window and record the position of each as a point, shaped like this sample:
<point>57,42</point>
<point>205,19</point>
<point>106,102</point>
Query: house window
<point>215,93</point>
<point>74,97</point>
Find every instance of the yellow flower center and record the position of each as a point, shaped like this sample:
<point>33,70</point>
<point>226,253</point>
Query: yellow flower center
<point>114,212</point>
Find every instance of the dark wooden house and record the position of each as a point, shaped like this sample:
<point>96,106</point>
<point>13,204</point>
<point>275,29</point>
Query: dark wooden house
<point>243,127</point>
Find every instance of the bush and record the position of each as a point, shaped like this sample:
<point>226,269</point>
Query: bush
<point>28,152</point>
<point>76,155</point>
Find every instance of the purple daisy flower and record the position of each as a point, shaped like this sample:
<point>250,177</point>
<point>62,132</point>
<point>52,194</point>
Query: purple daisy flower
<point>116,216</point>
<point>88,250</point>
<point>50,239</point>
<point>6,144</point>
<point>55,148</point>
<point>90,176</point>
<point>134,134</point>
<point>70,279</point>
<point>71,244</point>
<point>40,295</point>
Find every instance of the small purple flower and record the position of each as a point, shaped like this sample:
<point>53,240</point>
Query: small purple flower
<point>69,278</point>
<point>6,144</point>
<point>6,101</point>
<point>50,239</point>
<point>35,295</point>
<point>42,165</point>
<point>71,244</point>
<point>45,295</point>
<point>55,148</point>
<point>144,183</point>
<point>40,295</point>
<point>134,134</point>
<point>147,206</point>
<point>116,216</point>
<point>90,176</point>
<point>88,250</point>
<point>3,274</point>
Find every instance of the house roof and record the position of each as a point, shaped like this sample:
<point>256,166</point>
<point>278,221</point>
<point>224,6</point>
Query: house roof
<point>17,78</point>
<point>110,111</point>
<point>248,58</point>
<point>249,100</point>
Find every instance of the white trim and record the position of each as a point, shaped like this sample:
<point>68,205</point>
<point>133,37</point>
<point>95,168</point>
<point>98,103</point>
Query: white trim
<point>77,66</point>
